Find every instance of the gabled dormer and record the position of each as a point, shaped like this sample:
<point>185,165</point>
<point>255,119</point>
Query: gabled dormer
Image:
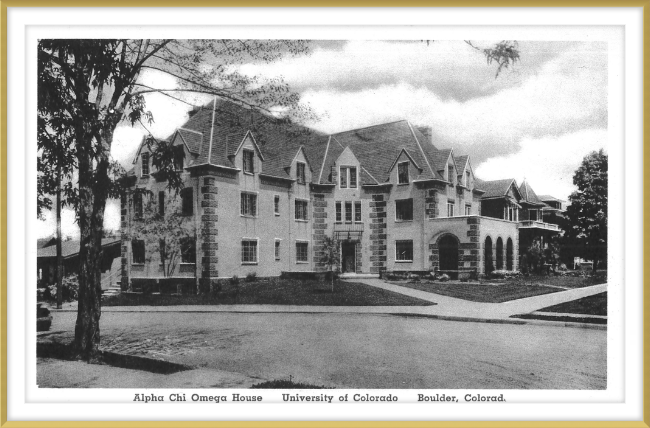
<point>247,155</point>
<point>299,168</point>
<point>404,169</point>
<point>347,168</point>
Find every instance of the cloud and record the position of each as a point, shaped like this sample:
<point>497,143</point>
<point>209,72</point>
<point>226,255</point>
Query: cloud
<point>547,163</point>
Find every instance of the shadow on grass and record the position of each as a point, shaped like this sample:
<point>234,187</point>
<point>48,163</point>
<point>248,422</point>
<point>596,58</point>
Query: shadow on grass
<point>286,384</point>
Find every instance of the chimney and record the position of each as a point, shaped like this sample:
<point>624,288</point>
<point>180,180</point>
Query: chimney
<point>427,131</point>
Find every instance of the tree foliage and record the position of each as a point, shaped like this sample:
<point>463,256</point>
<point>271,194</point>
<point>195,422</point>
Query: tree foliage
<point>87,87</point>
<point>586,226</point>
<point>331,256</point>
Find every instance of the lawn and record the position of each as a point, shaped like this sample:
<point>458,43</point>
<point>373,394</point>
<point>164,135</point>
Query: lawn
<point>275,292</point>
<point>591,305</point>
<point>484,293</point>
<point>559,281</point>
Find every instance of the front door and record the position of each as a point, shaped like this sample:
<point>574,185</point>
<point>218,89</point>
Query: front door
<point>348,254</point>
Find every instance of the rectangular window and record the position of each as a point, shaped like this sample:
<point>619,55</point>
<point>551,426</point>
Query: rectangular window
<point>276,204</point>
<point>277,249</point>
<point>403,173</point>
<point>353,177</point>
<point>137,205</point>
<point>249,204</point>
<point>348,212</point>
<point>188,250</point>
<point>532,215</point>
<point>249,251</point>
<point>357,211</point>
<point>301,210</point>
<point>468,210</point>
<point>301,252</point>
<point>137,250</point>
<point>404,209</point>
<point>450,208</point>
<point>187,195</point>
<point>179,158</point>
<point>248,156</point>
<point>338,212</point>
<point>300,172</point>
<point>404,251</point>
<point>450,174</point>
<point>467,179</point>
<point>161,203</point>
<point>343,177</point>
<point>145,164</point>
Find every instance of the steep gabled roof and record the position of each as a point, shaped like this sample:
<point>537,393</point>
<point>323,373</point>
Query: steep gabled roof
<point>461,162</point>
<point>529,195</point>
<point>71,248</point>
<point>545,198</point>
<point>496,188</point>
<point>192,139</point>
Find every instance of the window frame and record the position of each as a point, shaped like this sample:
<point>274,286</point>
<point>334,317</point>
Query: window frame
<point>179,155</point>
<point>192,246</point>
<point>345,174</point>
<point>276,249</point>
<point>399,173</point>
<point>348,212</point>
<point>301,202</point>
<point>306,244</point>
<point>138,206</point>
<point>161,203</point>
<point>144,155</point>
<point>257,251</point>
<point>403,241</point>
<point>397,209</point>
<point>357,212</point>
<point>452,205</point>
<point>339,212</point>
<point>468,209</point>
<point>253,197</point>
<point>450,174</point>
<point>133,252</point>
<point>251,161</point>
<point>300,173</point>
<point>187,204</point>
<point>276,205</point>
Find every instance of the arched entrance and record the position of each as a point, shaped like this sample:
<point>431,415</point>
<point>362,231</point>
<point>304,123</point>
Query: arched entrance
<point>448,249</point>
<point>489,265</point>
<point>499,254</point>
<point>509,250</point>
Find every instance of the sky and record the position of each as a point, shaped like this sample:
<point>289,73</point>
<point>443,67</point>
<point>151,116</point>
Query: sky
<point>534,121</point>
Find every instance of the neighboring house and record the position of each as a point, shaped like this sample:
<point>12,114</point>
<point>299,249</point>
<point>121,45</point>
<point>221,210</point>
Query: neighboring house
<point>554,210</point>
<point>46,260</point>
<point>263,195</point>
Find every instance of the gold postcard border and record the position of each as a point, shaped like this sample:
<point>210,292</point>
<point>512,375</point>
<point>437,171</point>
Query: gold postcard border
<point>645,4</point>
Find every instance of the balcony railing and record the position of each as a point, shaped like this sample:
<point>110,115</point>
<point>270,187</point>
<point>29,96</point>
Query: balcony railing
<point>538,225</point>
<point>344,231</point>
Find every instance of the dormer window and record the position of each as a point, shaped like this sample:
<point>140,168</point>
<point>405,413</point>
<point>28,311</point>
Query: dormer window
<point>467,179</point>
<point>179,158</point>
<point>348,177</point>
<point>248,156</point>
<point>145,164</point>
<point>403,173</point>
<point>300,173</point>
<point>450,174</point>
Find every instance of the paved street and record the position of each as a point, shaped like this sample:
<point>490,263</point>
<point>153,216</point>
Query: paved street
<point>361,350</point>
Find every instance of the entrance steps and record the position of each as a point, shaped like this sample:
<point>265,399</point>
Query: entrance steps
<point>112,291</point>
<point>358,275</point>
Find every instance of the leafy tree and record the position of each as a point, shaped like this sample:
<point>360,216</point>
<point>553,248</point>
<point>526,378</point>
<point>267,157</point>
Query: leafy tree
<point>87,87</point>
<point>165,231</point>
<point>331,256</point>
<point>586,227</point>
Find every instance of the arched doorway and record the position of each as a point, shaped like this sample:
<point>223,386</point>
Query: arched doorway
<point>489,265</point>
<point>448,249</point>
<point>499,254</point>
<point>509,254</point>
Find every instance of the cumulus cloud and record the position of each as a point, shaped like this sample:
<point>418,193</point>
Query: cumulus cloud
<point>547,163</point>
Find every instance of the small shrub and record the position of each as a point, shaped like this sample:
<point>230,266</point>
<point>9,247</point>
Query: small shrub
<point>234,280</point>
<point>413,277</point>
<point>443,278</point>
<point>250,277</point>
<point>69,291</point>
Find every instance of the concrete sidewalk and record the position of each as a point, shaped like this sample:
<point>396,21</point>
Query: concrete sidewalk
<point>445,307</point>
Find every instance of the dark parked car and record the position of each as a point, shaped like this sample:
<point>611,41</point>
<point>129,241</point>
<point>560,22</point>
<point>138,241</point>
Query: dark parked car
<point>43,317</point>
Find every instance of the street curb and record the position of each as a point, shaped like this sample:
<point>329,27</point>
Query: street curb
<point>507,321</point>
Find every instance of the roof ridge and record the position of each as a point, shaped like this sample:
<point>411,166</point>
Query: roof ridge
<point>433,173</point>
<point>322,166</point>
<point>370,126</point>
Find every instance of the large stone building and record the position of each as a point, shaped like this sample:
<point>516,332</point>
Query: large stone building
<point>263,195</point>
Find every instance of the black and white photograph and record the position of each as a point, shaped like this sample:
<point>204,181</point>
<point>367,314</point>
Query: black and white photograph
<point>258,221</point>
<point>383,214</point>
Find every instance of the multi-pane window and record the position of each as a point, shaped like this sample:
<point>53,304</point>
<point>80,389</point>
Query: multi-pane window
<point>348,212</point>
<point>300,172</point>
<point>187,196</point>
<point>161,203</point>
<point>357,211</point>
<point>301,209</point>
<point>277,249</point>
<point>301,252</point>
<point>404,251</point>
<point>403,173</point>
<point>249,251</point>
<point>137,251</point>
<point>348,177</point>
<point>248,156</point>
<point>450,208</point>
<point>137,205</point>
<point>404,209</point>
<point>276,204</point>
<point>468,209</point>
<point>188,250</point>
<point>145,163</point>
<point>249,204</point>
<point>338,212</point>
<point>450,174</point>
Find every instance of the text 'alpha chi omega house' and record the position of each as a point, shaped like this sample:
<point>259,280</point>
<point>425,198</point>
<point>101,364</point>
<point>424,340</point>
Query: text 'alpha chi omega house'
<point>263,194</point>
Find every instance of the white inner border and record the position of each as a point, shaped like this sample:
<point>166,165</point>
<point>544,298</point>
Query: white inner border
<point>622,399</point>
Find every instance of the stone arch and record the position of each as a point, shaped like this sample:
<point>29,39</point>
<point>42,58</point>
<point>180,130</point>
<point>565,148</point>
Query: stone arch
<point>487,255</point>
<point>509,254</point>
<point>448,250</point>
<point>499,257</point>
